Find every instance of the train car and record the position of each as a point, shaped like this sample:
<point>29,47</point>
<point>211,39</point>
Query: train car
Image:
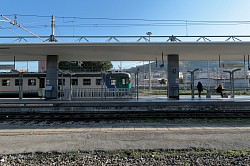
<point>31,84</point>
<point>28,83</point>
<point>117,80</point>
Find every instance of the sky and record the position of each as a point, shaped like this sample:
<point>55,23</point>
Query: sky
<point>126,18</point>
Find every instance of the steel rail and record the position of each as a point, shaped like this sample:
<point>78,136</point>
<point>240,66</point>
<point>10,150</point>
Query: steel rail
<point>108,115</point>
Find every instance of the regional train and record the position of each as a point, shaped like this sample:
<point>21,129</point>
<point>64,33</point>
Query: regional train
<point>32,83</point>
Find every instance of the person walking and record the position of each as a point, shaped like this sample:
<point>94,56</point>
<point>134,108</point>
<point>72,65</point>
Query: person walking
<point>219,90</point>
<point>200,88</point>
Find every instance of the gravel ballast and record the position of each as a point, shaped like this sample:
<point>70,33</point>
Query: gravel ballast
<point>125,143</point>
<point>192,156</point>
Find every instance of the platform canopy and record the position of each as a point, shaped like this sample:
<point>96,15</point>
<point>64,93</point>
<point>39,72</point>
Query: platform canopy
<point>121,51</point>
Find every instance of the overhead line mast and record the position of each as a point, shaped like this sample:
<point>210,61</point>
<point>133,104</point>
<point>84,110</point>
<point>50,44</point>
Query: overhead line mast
<point>20,26</point>
<point>52,36</point>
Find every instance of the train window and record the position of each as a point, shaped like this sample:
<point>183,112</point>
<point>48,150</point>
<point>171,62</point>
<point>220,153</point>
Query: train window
<point>74,81</point>
<point>5,82</point>
<point>86,81</point>
<point>98,81</point>
<point>31,82</point>
<point>112,82</point>
<point>60,81</point>
<point>123,81</point>
<point>16,82</point>
<point>127,81</point>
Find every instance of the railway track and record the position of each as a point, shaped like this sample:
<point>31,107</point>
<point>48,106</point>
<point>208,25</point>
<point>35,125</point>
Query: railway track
<point>116,115</point>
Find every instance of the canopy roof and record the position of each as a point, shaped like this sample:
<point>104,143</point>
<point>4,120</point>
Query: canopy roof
<point>120,51</point>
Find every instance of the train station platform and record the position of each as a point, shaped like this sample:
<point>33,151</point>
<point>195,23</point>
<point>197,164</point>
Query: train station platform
<point>142,98</point>
<point>144,103</point>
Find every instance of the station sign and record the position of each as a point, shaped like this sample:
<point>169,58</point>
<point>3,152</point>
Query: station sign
<point>6,67</point>
<point>232,65</point>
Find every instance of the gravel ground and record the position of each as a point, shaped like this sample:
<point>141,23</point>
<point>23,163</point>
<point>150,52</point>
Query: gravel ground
<point>72,143</point>
<point>132,157</point>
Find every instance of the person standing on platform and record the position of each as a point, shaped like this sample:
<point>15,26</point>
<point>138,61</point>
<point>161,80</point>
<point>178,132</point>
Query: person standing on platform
<point>200,88</point>
<point>219,90</point>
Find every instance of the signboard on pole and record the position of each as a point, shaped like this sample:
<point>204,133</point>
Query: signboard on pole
<point>6,67</point>
<point>232,65</point>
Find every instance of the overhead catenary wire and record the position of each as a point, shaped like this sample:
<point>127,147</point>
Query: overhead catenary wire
<point>9,30</point>
<point>138,19</point>
<point>20,26</point>
<point>131,22</point>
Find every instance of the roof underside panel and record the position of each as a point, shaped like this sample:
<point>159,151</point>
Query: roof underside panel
<point>124,51</point>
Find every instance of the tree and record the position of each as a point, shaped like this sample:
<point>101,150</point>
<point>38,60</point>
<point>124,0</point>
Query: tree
<point>85,66</point>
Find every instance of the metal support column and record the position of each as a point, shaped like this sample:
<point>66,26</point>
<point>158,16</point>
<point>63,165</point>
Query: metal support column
<point>173,76</point>
<point>52,77</point>
<point>192,82</point>
<point>20,85</point>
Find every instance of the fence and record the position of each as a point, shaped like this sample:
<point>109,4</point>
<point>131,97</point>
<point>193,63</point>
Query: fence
<point>101,93</point>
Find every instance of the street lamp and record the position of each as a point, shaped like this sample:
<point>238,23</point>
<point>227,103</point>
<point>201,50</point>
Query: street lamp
<point>231,72</point>
<point>149,78</point>
<point>149,34</point>
<point>137,83</point>
<point>192,81</point>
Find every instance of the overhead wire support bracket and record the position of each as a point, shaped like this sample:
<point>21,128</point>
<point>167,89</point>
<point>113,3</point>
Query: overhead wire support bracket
<point>233,38</point>
<point>173,39</point>
<point>20,26</point>
<point>80,39</point>
<point>112,38</point>
<point>204,38</point>
<point>20,39</point>
<point>143,37</point>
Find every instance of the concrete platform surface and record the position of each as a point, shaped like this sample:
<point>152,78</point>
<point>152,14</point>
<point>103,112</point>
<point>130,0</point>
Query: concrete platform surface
<point>100,136</point>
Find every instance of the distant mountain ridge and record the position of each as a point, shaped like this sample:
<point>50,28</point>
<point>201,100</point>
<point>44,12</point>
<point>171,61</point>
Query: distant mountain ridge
<point>184,66</point>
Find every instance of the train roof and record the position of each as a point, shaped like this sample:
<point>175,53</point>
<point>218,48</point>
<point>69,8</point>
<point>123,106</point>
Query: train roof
<point>119,74</point>
<point>25,74</point>
<point>82,74</point>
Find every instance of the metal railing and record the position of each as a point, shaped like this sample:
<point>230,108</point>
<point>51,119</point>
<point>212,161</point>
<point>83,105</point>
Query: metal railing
<point>117,39</point>
<point>100,93</point>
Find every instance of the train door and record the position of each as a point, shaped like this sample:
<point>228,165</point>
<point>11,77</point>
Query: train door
<point>41,88</point>
<point>41,82</point>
